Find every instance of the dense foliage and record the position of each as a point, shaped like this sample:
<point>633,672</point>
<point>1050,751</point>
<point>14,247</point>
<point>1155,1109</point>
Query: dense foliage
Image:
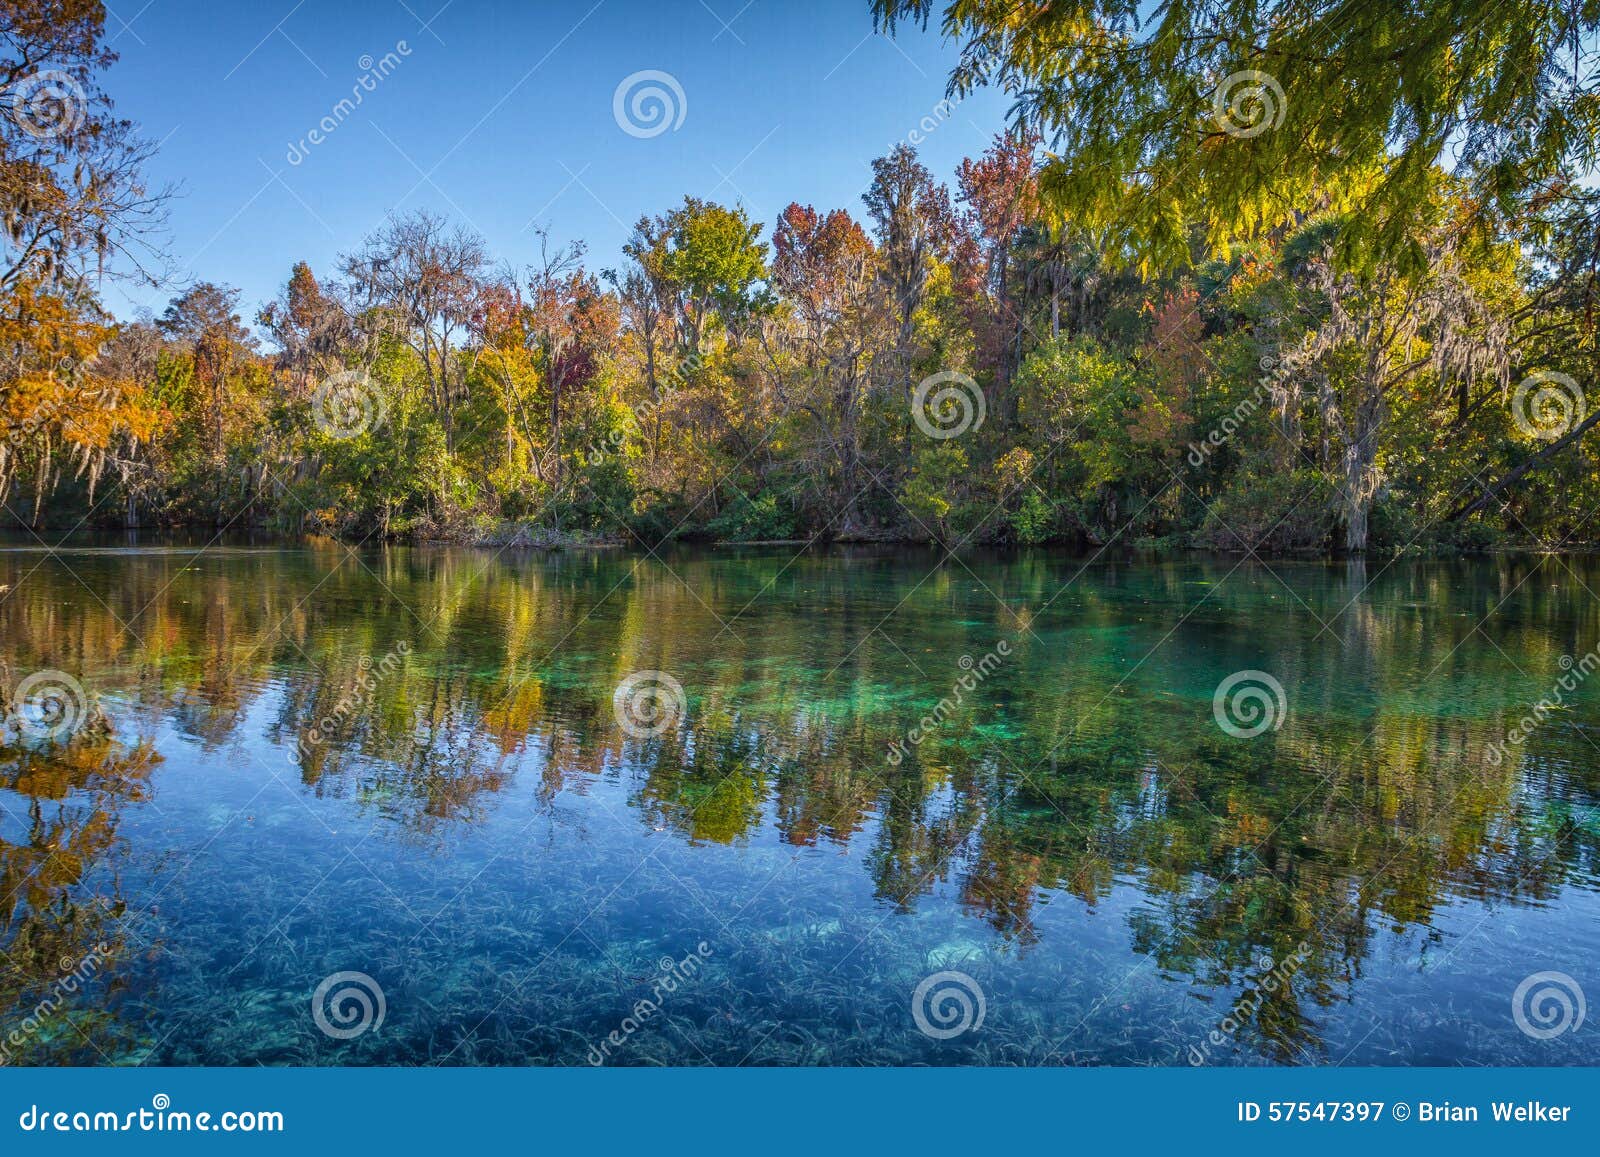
<point>1383,350</point>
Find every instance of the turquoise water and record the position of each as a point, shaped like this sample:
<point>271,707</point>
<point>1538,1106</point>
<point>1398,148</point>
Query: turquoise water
<point>830,779</point>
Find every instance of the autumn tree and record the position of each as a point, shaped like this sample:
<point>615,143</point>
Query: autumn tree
<point>204,327</point>
<point>58,405</point>
<point>574,323</point>
<point>73,195</point>
<point>1000,193</point>
<point>1369,338</point>
<point>314,332</point>
<point>420,281</point>
<point>826,269</point>
<point>912,218</point>
<point>715,265</point>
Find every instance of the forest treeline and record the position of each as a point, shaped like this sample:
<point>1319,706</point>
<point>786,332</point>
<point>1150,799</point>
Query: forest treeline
<point>992,355</point>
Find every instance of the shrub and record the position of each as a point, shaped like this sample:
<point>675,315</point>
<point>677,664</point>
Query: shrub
<point>1272,511</point>
<point>747,520</point>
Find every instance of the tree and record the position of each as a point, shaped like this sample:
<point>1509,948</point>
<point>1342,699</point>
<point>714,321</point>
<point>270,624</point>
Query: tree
<point>313,330</point>
<point>1000,191</point>
<point>420,281</point>
<point>1373,336</point>
<point>1549,467</point>
<point>914,223</point>
<point>56,400</point>
<point>571,324</point>
<point>825,268</point>
<point>73,196</point>
<point>204,324</point>
<point>820,262</point>
<point>716,264</point>
<point>695,290</point>
<point>1243,116</point>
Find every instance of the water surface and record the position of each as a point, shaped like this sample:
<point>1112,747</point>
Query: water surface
<point>408,764</point>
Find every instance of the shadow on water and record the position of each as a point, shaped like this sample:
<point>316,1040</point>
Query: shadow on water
<point>411,764</point>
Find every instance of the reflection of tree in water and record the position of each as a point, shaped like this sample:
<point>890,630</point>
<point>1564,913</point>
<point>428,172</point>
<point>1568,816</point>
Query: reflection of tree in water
<point>1361,816</point>
<point>61,916</point>
<point>706,783</point>
<point>818,796</point>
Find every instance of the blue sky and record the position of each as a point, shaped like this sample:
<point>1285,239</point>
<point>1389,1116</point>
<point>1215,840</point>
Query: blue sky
<point>501,114</point>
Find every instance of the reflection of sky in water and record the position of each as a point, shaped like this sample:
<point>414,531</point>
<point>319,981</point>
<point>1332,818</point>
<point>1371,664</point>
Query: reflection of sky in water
<point>1076,834</point>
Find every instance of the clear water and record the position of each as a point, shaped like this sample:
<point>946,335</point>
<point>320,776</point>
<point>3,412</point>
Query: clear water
<point>1121,880</point>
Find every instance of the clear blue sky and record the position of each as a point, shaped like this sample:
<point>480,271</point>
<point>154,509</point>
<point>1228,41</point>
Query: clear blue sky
<point>502,115</point>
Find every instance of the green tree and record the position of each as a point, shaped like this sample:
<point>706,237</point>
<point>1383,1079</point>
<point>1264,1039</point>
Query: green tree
<point>1243,116</point>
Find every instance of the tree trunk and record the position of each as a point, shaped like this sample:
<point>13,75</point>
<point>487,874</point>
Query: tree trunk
<point>1361,475</point>
<point>1516,475</point>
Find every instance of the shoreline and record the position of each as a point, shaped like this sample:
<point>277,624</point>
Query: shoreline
<point>16,540</point>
